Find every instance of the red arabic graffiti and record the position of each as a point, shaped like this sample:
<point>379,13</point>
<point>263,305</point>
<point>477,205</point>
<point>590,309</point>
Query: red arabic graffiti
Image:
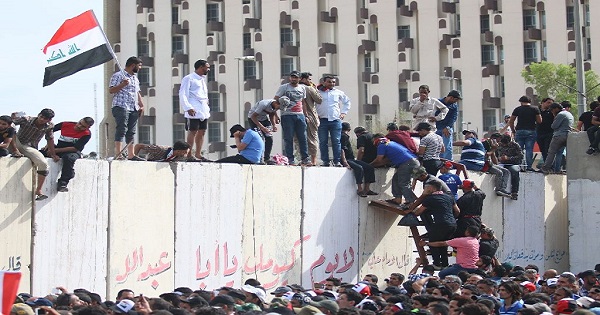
<point>136,260</point>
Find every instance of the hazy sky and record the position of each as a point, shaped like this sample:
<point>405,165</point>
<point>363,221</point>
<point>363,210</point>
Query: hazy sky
<point>26,27</point>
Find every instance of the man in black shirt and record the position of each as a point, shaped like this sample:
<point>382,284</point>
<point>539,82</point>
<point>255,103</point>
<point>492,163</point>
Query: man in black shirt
<point>488,243</point>
<point>438,212</point>
<point>363,171</point>
<point>366,150</point>
<point>527,117</point>
<point>585,120</point>
<point>544,130</point>
<point>471,207</point>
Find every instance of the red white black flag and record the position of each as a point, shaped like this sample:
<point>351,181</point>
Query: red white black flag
<point>78,44</point>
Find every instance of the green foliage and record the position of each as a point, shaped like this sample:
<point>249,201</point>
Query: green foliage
<point>559,81</point>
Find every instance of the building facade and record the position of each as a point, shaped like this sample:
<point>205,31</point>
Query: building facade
<point>380,50</point>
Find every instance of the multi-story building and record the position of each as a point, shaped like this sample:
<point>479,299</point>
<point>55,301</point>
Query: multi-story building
<point>381,51</point>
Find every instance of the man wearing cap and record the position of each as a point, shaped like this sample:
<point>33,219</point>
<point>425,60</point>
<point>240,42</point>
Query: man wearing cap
<point>562,125</point>
<point>249,145</point>
<point>420,174</point>
<point>488,243</point>
<point>293,120</point>
<point>510,156</point>
<point>313,97</point>
<point>471,207</point>
<point>280,291</point>
<point>430,148</point>
<point>404,161</point>
<point>401,134</point>
<point>255,295</point>
<point>473,157</point>
<point>504,127</point>
<point>445,127</point>
<point>453,181</point>
<point>527,117</point>
<point>327,307</point>
<point>424,108</point>
<point>193,97</point>
<point>332,110</point>
<point>263,116</point>
<point>225,302</point>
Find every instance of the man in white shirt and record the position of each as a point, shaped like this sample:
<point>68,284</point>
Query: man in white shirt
<point>193,97</point>
<point>424,108</point>
<point>332,110</point>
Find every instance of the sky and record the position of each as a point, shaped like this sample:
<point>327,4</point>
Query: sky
<point>26,28</point>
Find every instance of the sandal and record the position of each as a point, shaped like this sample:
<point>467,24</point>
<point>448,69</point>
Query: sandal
<point>361,193</point>
<point>39,197</point>
<point>372,193</point>
<point>17,155</point>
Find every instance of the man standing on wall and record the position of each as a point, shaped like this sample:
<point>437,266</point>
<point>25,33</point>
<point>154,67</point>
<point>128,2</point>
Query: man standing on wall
<point>127,104</point>
<point>313,97</point>
<point>193,97</point>
<point>527,117</point>
<point>445,127</point>
<point>332,110</point>
<point>544,130</point>
<point>293,121</point>
<point>562,125</point>
<point>425,107</point>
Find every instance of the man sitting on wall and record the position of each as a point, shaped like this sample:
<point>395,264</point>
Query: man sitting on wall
<point>178,152</point>
<point>249,145</point>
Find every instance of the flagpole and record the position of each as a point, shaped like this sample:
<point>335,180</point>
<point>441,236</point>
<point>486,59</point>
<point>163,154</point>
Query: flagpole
<point>112,52</point>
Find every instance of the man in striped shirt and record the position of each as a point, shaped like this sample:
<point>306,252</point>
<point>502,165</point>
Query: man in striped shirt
<point>473,157</point>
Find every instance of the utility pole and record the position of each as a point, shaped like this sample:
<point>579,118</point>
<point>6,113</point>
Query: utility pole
<point>581,99</point>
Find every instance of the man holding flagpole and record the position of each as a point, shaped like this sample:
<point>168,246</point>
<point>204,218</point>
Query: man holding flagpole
<point>127,104</point>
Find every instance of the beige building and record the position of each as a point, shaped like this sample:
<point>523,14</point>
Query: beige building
<point>381,51</point>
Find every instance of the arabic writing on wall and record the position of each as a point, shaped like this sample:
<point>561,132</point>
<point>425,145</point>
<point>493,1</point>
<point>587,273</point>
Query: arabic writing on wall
<point>387,259</point>
<point>555,255</point>
<point>14,264</point>
<point>135,260</point>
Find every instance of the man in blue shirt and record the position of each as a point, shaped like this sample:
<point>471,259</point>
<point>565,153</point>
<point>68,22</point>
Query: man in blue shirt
<point>404,161</point>
<point>249,145</point>
<point>446,125</point>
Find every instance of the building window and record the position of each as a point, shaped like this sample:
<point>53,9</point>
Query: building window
<point>484,23</point>
<point>212,12</point>
<point>177,45</point>
<point>210,77</point>
<point>145,134</point>
<point>403,31</point>
<point>570,17</point>
<point>143,47</point>
<point>588,49</point>
<point>368,63</point>
<point>502,91</point>
<point>245,1</point>
<point>249,69</point>
<point>144,76</point>
<point>174,15</point>
<point>214,132</point>
<point>530,52</point>
<point>366,93</point>
<point>214,99</point>
<point>400,3</point>
<point>178,132</point>
<point>487,55</point>
<point>403,93</point>
<point>501,54</point>
<point>176,105</point>
<point>457,23</point>
<point>287,66</point>
<point>489,119</point>
<point>586,14</point>
<point>544,50</point>
<point>286,36</point>
<point>543,19</point>
<point>246,41</point>
<point>529,19</point>
<point>369,122</point>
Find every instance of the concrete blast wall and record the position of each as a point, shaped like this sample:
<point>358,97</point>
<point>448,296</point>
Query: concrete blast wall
<point>155,226</point>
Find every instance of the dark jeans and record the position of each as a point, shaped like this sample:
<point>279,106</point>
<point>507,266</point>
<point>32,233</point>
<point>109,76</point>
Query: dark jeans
<point>543,141</point>
<point>126,122</point>
<point>432,166</point>
<point>3,152</point>
<point>594,136</point>
<point>268,138</point>
<point>454,270</point>
<point>440,232</point>
<point>463,223</point>
<point>234,159</point>
<point>526,139</point>
<point>514,176</point>
<point>362,170</point>
<point>68,165</point>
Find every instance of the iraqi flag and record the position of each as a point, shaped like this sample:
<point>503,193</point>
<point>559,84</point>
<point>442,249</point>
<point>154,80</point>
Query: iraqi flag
<point>78,44</point>
<point>9,285</point>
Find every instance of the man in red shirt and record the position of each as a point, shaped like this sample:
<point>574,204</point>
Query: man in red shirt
<point>402,136</point>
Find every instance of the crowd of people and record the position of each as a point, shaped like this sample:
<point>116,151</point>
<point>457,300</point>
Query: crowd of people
<point>504,289</point>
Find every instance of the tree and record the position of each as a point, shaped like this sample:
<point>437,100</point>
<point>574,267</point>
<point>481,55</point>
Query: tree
<point>559,81</point>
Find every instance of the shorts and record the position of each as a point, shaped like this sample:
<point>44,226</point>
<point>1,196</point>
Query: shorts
<point>196,124</point>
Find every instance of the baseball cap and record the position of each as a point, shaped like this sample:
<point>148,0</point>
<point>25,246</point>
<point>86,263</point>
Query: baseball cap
<point>295,74</point>
<point>235,128</point>
<point>447,164</point>
<point>222,300</point>
<point>39,302</point>
<point>284,101</point>
<point>123,307</point>
<point>281,290</point>
<point>528,285</point>
<point>464,132</point>
<point>455,94</point>
<point>551,282</point>
<point>566,306</point>
<point>21,309</point>
<point>260,293</point>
